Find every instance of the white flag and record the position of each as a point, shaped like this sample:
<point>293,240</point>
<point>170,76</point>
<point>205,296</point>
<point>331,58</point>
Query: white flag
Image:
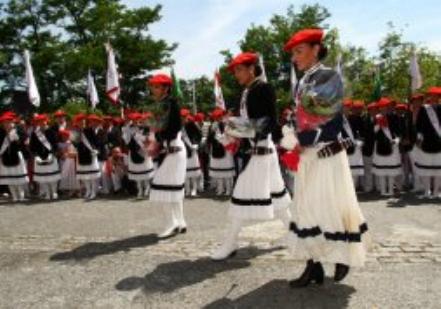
<point>417,80</point>
<point>218,95</point>
<point>293,82</point>
<point>92,94</point>
<point>33,94</point>
<point>262,66</point>
<point>339,67</point>
<point>112,78</point>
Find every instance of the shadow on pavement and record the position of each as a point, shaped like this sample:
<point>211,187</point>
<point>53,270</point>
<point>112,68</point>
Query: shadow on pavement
<point>277,294</point>
<point>168,277</point>
<point>94,249</point>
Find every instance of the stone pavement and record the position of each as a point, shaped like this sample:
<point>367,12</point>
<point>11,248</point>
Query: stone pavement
<point>105,254</point>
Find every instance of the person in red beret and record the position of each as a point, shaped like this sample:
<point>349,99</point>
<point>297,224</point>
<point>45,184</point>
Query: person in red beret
<point>387,166</point>
<point>221,168</point>
<point>428,144</point>
<point>353,130</point>
<point>88,167</point>
<point>68,184</point>
<point>251,199</point>
<point>327,209</point>
<point>44,146</point>
<point>192,137</point>
<point>60,120</point>
<point>140,163</point>
<point>13,167</point>
<point>167,186</point>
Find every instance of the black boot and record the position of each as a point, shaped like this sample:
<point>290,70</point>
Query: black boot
<point>306,277</point>
<point>318,273</point>
<point>341,271</point>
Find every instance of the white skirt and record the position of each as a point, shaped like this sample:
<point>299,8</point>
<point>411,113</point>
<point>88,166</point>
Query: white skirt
<point>14,175</point>
<point>68,175</point>
<point>223,167</point>
<point>142,171</point>
<point>251,199</point>
<point>169,180</point>
<point>387,165</point>
<point>328,225</point>
<point>193,166</point>
<point>90,171</point>
<point>279,193</point>
<point>427,164</point>
<point>356,162</point>
<point>47,173</point>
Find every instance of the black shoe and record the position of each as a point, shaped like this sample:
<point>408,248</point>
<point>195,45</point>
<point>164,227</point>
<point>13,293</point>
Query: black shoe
<point>341,271</point>
<point>318,273</point>
<point>306,277</point>
<point>183,230</point>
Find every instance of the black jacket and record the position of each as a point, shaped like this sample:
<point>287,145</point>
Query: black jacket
<point>37,147</point>
<point>431,142</point>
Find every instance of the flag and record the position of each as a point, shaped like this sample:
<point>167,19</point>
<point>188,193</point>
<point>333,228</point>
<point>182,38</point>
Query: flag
<point>378,87</point>
<point>338,66</point>
<point>193,91</point>
<point>218,95</point>
<point>415,74</point>
<point>33,94</point>
<point>262,66</point>
<point>92,94</point>
<point>112,79</point>
<point>293,82</point>
<point>176,89</point>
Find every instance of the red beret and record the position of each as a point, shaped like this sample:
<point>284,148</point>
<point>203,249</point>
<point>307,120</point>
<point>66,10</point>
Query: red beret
<point>78,117</point>
<point>190,118</point>
<point>147,115</point>
<point>118,121</point>
<point>402,106</point>
<point>60,113</point>
<point>134,116</point>
<point>40,117</point>
<point>160,79</point>
<point>347,102</point>
<point>358,104</point>
<point>185,112</point>
<point>434,91</point>
<point>384,102</point>
<point>93,117</point>
<point>199,117</point>
<point>64,133</point>
<point>107,118</point>
<point>417,96</point>
<point>304,36</point>
<point>243,58</point>
<point>372,105</point>
<point>8,116</point>
<point>217,114</point>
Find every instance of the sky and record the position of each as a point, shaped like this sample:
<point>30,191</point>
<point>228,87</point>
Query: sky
<point>203,28</point>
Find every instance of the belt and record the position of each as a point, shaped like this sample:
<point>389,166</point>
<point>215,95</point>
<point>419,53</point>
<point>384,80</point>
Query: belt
<point>173,149</point>
<point>334,148</point>
<point>260,151</point>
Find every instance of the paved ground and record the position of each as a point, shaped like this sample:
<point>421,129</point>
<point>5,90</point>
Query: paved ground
<point>105,254</point>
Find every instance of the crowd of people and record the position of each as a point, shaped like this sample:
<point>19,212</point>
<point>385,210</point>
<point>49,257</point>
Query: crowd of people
<point>303,168</point>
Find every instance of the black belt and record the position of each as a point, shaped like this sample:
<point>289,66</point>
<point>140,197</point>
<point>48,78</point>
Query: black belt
<point>260,151</point>
<point>172,149</point>
<point>334,148</point>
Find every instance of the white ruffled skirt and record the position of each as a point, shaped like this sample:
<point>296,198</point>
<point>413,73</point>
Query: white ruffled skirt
<point>142,171</point>
<point>427,164</point>
<point>328,225</point>
<point>14,175</point>
<point>47,172</point>
<point>89,171</point>
<point>387,165</point>
<point>222,167</point>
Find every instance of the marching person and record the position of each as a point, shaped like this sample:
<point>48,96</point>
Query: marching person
<point>44,146</point>
<point>13,171</point>
<point>259,192</point>
<point>140,164</point>
<point>328,225</point>
<point>192,136</point>
<point>167,186</point>
<point>387,159</point>
<point>428,154</point>
<point>88,168</point>
<point>353,129</point>
<point>221,163</point>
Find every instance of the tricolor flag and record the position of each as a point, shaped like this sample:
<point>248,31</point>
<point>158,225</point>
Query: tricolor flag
<point>92,94</point>
<point>415,74</point>
<point>262,66</point>
<point>218,95</point>
<point>33,94</point>
<point>112,79</point>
